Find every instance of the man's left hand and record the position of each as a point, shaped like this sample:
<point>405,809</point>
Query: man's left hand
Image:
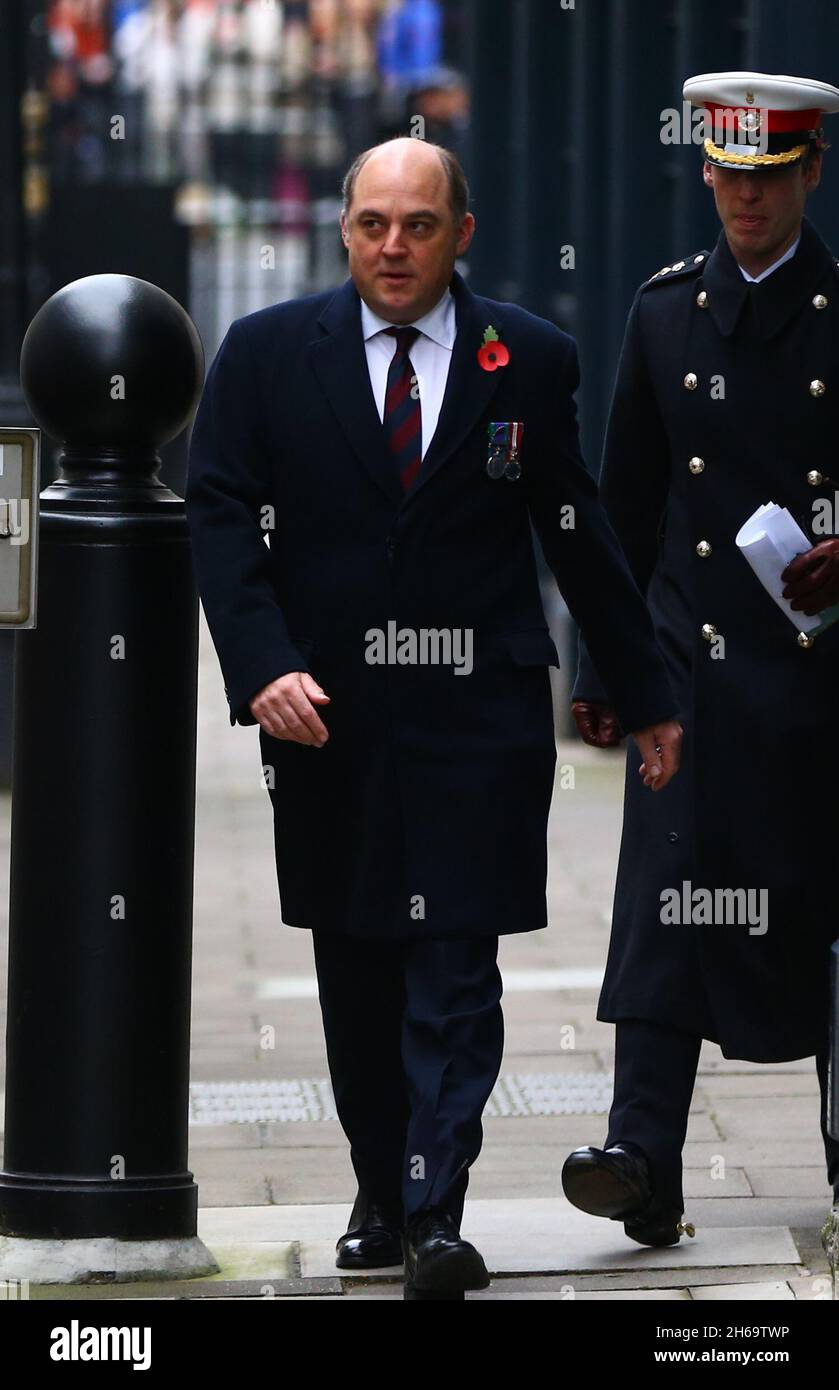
<point>661,748</point>
<point>812,580</point>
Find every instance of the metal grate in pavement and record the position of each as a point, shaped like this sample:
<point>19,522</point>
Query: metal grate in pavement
<point>552,1093</point>
<point>249,1102</point>
<point>252,1102</point>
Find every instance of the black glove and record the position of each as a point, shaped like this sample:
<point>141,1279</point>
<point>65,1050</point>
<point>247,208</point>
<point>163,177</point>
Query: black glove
<point>597,723</point>
<point>812,579</point>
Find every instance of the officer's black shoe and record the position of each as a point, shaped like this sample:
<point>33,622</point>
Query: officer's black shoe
<point>438,1264</point>
<point>374,1237</point>
<point>616,1182</point>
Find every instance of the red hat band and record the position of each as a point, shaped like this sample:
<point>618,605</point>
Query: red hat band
<point>730,118</point>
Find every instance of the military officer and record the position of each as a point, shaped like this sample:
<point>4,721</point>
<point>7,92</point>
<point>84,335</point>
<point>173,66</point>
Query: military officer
<point>727,397</point>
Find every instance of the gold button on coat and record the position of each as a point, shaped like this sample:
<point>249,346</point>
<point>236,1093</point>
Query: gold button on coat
<point>709,632</point>
<point>696,465</point>
<point>691,381</point>
<point>820,302</point>
<point>703,550</point>
<point>817,388</point>
<point>702,299</point>
<point>804,640</point>
<point>814,478</point>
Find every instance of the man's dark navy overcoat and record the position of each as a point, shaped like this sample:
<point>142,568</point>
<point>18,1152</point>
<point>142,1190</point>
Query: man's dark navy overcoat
<point>425,813</point>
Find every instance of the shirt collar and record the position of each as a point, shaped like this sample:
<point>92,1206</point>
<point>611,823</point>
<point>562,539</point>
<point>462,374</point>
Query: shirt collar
<point>438,324</point>
<point>787,256</point>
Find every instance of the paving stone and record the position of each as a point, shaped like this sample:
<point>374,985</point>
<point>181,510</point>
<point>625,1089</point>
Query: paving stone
<point>627,1295</point>
<point>491,1296</point>
<point>541,1226</point>
<point>234,1192</point>
<point>815,1288</point>
<point>768,1087</point>
<point>648,1279</point>
<point>737,1153</point>
<point>576,1250</point>
<point>740,1211</point>
<point>254,1260</point>
<point>790,1182</point>
<point>241,1163</point>
<point>229,1137</point>
<point>699,1182</point>
<point>506,1167</point>
<point>321,1135</point>
<point>761,1119</point>
<point>332,1183</point>
<point>279,1223</point>
<point>712,1062</point>
<point>774,1292</point>
<point>569,1131</point>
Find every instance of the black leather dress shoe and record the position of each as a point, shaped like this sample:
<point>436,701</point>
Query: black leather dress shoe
<point>616,1183</point>
<point>373,1239</point>
<point>438,1264</point>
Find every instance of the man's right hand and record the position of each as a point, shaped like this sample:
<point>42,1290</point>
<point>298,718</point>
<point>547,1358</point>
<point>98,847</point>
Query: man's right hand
<point>597,723</point>
<point>286,709</point>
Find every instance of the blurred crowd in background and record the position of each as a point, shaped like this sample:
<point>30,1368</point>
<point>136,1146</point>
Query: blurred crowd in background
<point>251,110</point>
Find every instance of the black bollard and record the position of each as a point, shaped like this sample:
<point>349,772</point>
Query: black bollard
<point>833,1096</point>
<point>830,1230</point>
<point>103,788</point>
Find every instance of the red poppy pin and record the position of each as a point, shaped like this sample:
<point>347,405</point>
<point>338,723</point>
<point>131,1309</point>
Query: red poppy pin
<point>492,353</point>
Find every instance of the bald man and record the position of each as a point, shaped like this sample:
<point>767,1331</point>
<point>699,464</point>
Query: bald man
<point>392,441</point>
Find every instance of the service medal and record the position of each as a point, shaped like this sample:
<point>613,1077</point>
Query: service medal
<point>504,443</point>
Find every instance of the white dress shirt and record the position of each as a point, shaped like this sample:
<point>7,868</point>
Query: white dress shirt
<point>787,256</point>
<point>430,356</point>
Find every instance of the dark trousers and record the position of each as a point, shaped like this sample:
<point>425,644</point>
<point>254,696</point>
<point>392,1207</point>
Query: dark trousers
<point>655,1072</point>
<point>414,1037</point>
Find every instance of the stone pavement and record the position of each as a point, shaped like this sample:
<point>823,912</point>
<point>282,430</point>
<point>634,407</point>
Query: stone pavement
<point>275,1182</point>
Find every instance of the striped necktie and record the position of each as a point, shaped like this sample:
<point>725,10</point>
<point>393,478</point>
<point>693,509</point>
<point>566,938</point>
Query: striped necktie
<point>402,417</point>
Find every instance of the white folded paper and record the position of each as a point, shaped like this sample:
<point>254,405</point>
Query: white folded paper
<point>769,540</point>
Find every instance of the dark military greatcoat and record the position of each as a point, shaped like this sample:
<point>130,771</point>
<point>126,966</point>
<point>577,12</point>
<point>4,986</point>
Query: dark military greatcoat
<point>727,397</point>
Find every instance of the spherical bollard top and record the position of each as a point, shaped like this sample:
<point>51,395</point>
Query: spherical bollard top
<point>112,362</point>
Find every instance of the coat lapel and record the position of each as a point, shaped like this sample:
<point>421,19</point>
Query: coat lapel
<point>784,294</point>
<point>727,290</point>
<point>340,362</point>
<point>469,389</point>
